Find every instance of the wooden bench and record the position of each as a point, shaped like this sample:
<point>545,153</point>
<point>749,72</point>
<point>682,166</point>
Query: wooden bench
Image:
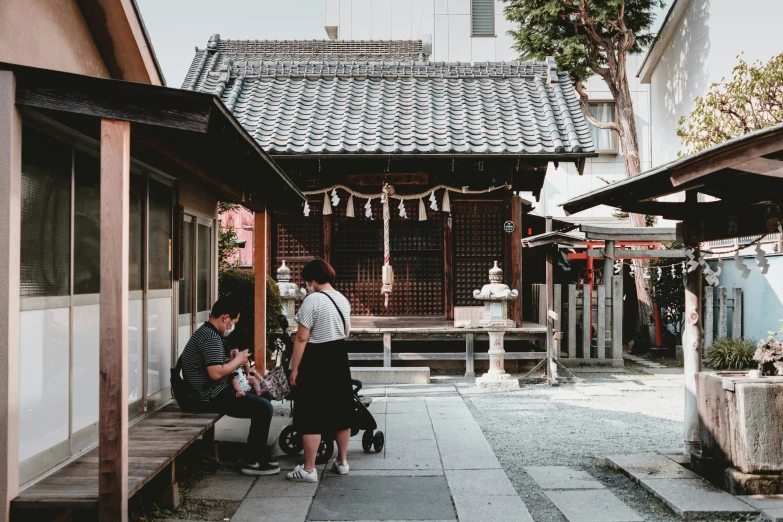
<point>153,445</point>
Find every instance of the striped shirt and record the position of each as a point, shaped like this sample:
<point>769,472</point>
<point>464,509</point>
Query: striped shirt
<point>205,348</point>
<point>319,315</point>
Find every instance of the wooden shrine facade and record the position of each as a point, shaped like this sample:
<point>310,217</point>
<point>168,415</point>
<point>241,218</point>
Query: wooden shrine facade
<point>437,262</point>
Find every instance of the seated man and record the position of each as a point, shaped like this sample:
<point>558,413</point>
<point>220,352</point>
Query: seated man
<point>207,370</point>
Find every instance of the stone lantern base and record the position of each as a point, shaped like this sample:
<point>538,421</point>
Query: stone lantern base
<point>496,377</point>
<point>501,381</point>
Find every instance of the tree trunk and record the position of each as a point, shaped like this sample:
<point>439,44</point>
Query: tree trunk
<point>629,142</point>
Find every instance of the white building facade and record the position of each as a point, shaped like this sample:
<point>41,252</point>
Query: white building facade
<point>477,31</point>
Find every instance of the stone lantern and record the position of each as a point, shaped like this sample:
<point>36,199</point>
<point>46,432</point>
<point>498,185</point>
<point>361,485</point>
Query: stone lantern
<point>289,294</point>
<point>496,296</point>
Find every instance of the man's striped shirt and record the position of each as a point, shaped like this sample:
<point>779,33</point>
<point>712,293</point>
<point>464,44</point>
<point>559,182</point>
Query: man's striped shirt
<point>205,348</point>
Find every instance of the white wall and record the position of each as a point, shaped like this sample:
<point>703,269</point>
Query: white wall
<point>703,50</point>
<point>448,21</point>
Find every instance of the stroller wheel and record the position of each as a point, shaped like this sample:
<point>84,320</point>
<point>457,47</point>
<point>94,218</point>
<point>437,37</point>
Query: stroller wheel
<point>367,441</point>
<point>378,441</point>
<point>290,441</point>
<point>325,451</point>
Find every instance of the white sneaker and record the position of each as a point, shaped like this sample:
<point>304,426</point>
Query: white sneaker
<point>299,474</point>
<point>340,467</point>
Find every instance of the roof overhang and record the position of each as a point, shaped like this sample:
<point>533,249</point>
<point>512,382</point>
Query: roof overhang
<point>122,40</point>
<point>556,238</point>
<point>662,40</point>
<point>628,233</point>
<point>186,134</point>
<point>744,175</point>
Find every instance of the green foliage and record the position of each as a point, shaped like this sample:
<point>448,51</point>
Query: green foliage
<point>752,99</point>
<point>584,36</point>
<point>240,284</point>
<point>649,219</point>
<point>730,354</point>
<point>668,292</point>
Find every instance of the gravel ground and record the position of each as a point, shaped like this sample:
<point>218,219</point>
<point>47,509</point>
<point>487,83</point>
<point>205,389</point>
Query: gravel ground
<point>578,425</point>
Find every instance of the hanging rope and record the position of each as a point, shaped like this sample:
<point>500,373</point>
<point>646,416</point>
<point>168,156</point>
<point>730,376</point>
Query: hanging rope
<point>388,274</point>
<point>405,197</point>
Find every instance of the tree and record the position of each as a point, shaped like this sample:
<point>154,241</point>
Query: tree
<point>593,37</point>
<point>227,240</point>
<point>751,100</point>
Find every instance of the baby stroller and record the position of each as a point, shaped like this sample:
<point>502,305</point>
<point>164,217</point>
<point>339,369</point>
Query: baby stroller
<point>291,441</point>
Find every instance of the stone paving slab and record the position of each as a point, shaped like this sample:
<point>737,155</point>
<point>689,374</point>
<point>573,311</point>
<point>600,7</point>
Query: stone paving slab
<point>763,501</point>
<point>504,508</point>
<point>650,466</point>
<point>277,486</point>
<point>382,498</point>
<point>562,477</point>
<point>483,482</point>
<point>592,506</point>
<point>407,405</point>
<point>417,390</point>
<point>271,509</point>
<point>695,497</point>
<point>221,486</point>
<point>774,515</point>
<point>596,390</point>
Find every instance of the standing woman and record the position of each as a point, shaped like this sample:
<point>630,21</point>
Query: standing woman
<point>320,370</point>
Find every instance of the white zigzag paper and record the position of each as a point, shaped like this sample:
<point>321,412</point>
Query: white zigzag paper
<point>403,214</point>
<point>433,201</point>
<point>741,266</point>
<point>306,209</point>
<point>335,198</point>
<point>368,209</point>
<point>761,259</point>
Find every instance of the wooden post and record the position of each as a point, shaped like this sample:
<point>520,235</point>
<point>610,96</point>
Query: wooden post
<point>10,235</point>
<point>691,348</point>
<point>709,308</point>
<point>736,319</point>
<point>470,370</point>
<point>327,235</point>
<point>259,269</point>
<point>586,316</point>
<point>617,318</point>
<point>448,271</point>
<point>113,388</point>
<point>387,350</point>
<point>516,258</point>
<point>572,321</point>
<point>601,320</point>
<point>558,309</point>
<point>551,367</point>
<point>608,277</point>
<point>723,312</point>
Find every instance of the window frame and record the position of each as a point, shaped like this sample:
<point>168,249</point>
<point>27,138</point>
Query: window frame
<point>615,150</point>
<point>494,25</point>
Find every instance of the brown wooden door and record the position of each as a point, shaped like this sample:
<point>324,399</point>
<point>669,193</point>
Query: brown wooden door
<point>478,242</point>
<point>416,256</point>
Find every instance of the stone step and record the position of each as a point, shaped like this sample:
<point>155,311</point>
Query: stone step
<point>402,375</point>
<point>685,492</point>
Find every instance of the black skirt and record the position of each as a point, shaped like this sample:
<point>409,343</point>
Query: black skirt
<point>324,396</point>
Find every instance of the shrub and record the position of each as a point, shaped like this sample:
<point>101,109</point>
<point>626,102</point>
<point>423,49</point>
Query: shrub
<point>240,284</point>
<point>769,354</point>
<point>731,354</point>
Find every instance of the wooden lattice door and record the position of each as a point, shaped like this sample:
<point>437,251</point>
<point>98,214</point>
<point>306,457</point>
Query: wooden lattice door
<point>416,256</point>
<point>298,240</point>
<point>478,242</point>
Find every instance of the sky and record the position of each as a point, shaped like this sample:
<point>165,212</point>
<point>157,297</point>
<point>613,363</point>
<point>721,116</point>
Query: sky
<point>176,27</point>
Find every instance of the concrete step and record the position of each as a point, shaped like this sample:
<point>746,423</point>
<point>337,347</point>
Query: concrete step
<point>403,375</point>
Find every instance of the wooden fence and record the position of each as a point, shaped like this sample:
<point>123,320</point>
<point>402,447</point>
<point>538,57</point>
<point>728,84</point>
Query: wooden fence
<point>598,343</point>
<point>717,305</point>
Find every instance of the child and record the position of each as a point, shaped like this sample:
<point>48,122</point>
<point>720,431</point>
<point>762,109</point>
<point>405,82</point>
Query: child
<point>246,380</point>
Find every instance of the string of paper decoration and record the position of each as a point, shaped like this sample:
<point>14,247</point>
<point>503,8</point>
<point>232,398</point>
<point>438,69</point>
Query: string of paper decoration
<point>332,199</point>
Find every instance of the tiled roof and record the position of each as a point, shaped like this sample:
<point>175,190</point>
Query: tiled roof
<point>380,105</point>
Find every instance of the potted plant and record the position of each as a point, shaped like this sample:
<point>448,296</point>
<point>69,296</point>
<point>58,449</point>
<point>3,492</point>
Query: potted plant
<point>769,354</point>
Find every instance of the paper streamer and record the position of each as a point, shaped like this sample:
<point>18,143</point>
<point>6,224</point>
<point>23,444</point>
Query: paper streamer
<point>761,259</point>
<point>741,266</point>
<point>433,201</point>
<point>368,209</point>
<point>306,209</point>
<point>403,213</point>
<point>335,198</point>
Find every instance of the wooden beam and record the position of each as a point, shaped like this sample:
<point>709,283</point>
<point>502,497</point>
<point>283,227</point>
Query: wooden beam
<point>10,235</point>
<point>739,222</point>
<point>260,270</point>
<point>113,388</point>
<point>762,166</point>
<point>448,266</point>
<point>640,254</point>
<point>727,157</point>
<point>516,258</point>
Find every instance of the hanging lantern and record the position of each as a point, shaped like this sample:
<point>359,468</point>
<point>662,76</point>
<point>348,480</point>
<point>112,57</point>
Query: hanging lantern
<point>446,203</point>
<point>433,201</point>
<point>327,206</point>
<point>349,207</point>
<point>422,210</point>
<point>401,207</point>
<point>306,209</point>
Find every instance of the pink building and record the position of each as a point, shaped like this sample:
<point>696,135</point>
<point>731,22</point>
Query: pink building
<point>242,221</point>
